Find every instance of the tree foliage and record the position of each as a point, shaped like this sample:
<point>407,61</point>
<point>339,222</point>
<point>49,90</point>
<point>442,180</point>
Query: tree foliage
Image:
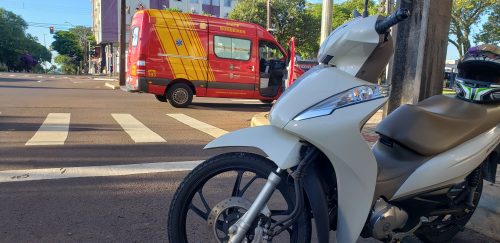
<point>288,18</point>
<point>466,14</point>
<point>18,50</point>
<point>342,12</point>
<point>491,29</point>
<point>66,43</point>
<point>297,18</point>
<point>70,44</point>
<point>68,64</point>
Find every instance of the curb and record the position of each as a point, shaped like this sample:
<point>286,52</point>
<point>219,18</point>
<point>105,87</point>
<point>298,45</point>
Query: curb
<point>260,119</point>
<point>112,86</point>
<point>105,79</point>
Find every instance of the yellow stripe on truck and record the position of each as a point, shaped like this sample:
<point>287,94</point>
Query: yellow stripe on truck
<point>163,35</point>
<point>178,64</point>
<point>188,60</point>
<point>196,67</point>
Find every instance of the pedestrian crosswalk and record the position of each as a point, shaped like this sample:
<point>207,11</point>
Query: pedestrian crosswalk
<point>199,125</point>
<point>136,130</point>
<point>53,131</point>
<point>56,128</point>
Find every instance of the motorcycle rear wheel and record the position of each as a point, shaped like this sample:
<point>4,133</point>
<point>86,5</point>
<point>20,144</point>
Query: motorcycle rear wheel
<point>443,231</point>
<point>232,175</point>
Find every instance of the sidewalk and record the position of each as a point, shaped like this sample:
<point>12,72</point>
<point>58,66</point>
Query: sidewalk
<point>486,218</point>
<point>110,82</point>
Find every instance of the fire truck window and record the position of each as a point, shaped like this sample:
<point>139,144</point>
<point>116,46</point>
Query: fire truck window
<point>135,36</point>
<point>269,51</point>
<point>232,48</point>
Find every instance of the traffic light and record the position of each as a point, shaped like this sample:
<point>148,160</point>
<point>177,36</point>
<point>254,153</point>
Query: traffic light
<point>51,29</point>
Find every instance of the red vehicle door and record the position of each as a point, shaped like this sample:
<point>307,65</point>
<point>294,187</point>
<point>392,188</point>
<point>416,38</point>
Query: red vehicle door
<point>232,60</point>
<point>291,76</point>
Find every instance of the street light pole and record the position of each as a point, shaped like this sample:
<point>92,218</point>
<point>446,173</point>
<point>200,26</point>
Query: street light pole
<point>122,41</point>
<point>326,20</point>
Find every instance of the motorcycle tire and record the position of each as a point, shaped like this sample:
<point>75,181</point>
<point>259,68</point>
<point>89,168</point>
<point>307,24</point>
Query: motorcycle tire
<point>195,181</point>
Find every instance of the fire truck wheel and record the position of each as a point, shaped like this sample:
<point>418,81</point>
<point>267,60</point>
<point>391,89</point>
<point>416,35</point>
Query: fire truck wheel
<point>161,98</point>
<point>180,95</point>
<point>267,101</point>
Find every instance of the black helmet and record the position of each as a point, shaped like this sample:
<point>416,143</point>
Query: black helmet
<point>478,77</point>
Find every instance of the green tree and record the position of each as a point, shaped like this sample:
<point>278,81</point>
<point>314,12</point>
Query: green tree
<point>491,29</point>
<point>68,64</point>
<point>343,11</point>
<point>18,50</point>
<point>466,14</point>
<point>289,19</point>
<point>37,50</point>
<point>13,28</point>
<point>66,43</point>
<point>72,45</point>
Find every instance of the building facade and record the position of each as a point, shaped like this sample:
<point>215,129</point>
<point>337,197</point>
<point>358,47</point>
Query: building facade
<point>106,16</point>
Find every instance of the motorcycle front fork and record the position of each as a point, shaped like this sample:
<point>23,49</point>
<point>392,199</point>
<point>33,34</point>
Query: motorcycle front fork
<point>238,230</point>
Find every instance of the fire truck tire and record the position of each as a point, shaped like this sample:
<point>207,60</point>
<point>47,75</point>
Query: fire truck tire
<point>267,101</point>
<point>180,95</point>
<point>161,98</point>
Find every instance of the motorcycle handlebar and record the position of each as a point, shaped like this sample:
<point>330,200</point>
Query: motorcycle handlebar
<point>382,26</point>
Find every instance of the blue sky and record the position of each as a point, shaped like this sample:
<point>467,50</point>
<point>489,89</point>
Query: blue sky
<point>40,14</point>
<point>62,14</point>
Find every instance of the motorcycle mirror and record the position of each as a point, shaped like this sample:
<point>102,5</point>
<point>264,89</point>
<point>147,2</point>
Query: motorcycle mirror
<point>365,12</point>
<point>355,13</point>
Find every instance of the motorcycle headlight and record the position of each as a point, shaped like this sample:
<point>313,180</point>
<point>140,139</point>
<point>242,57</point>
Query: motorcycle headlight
<point>349,97</point>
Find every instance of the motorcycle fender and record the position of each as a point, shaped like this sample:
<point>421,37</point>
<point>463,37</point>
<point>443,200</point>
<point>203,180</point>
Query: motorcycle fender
<point>281,147</point>
<point>316,196</point>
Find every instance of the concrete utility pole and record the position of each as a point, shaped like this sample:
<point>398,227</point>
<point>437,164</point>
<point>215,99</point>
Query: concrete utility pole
<point>268,22</point>
<point>417,69</point>
<point>122,41</point>
<point>326,20</point>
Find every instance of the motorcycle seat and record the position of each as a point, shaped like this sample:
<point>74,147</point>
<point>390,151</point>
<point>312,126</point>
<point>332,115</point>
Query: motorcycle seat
<point>438,123</point>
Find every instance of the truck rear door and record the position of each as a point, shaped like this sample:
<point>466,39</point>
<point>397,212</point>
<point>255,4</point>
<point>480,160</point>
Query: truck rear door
<point>179,49</point>
<point>232,59</point>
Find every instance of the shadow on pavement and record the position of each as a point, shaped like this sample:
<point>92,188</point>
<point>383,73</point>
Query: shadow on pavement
<point>16,158</point>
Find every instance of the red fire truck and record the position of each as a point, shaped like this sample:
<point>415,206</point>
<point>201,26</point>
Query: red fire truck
<point>176,55</point>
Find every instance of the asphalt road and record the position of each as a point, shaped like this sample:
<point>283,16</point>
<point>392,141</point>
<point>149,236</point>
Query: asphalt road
<point>131,208</point>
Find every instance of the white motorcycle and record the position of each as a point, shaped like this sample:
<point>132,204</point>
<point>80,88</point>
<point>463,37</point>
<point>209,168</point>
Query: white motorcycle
<point>423,177</point>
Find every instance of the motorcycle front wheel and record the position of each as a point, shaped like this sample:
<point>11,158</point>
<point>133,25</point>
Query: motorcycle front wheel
<point>219,191</point>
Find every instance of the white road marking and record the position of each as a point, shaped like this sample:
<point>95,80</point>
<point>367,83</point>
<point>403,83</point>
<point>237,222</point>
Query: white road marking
<point>52,77</point>
<point>199,125</point>
<point>12,75</point>
<point>39,76</point>
<point>136,130</point>
<point>246,100</point>
<point>94,171</point>
<point>53,131</point>
<point>39,81</point>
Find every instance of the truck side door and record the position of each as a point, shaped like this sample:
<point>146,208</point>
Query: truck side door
<point>233,61</point>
